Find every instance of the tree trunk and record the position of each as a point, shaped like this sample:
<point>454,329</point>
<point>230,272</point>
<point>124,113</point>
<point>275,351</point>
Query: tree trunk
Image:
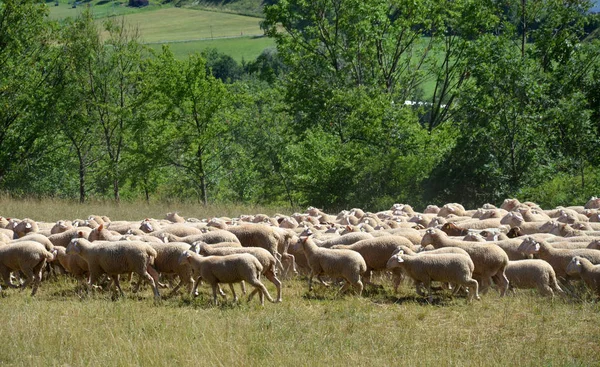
<point>202,175</point>
<point>81,181</point>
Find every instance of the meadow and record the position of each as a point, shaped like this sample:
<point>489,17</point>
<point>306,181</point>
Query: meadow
<point>185,30</point>
<point>63,325</point>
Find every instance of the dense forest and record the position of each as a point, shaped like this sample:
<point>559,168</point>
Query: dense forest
<point>363,103</point>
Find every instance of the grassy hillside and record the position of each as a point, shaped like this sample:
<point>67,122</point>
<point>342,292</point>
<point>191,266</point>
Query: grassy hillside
<point>187,30</point>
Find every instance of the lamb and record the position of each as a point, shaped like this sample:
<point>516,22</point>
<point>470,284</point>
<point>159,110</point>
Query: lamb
<point>452,268</point>
<point>29,257</point>
<point>489,259</point>
<point>346,264</point>
<point>376,252</point>
<point>558,258</point>
<point>267,261</point>
<point>589,272</point>
<point>533,273</point>
<point>227,269</point>
<point>114,258</point>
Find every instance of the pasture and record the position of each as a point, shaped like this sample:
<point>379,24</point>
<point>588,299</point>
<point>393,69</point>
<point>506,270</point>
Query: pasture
<point>62,325</point>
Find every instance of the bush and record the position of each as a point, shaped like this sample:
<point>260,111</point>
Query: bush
<point>138,3</point>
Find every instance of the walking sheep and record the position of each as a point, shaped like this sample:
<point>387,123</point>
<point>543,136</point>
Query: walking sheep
<point>28,257</point>
<point>589,272</point>
<point>423,269</point>
<point>114,258</point>
<point>346,264</point>
<point>227,269</point>
<point>533,273</point>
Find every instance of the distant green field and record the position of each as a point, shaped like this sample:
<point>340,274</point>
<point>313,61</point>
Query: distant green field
<point>185,30</point>
<point>246,48</point>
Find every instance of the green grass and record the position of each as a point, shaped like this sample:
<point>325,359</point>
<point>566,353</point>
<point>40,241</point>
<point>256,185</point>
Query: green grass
<point>246,48</point>
<point>60,326</point>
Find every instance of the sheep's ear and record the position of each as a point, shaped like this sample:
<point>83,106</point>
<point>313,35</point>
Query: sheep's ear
<point>100,227</point>
<point>80,234</point>
<point>28,225</point>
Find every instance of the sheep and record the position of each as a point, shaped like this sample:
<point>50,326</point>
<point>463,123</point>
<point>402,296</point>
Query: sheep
<point>533,273</point>
<point>267,261</point>
<point>167,262</point>
<point>260,235</point>
<point>593,203</point>
<point>589,272</point>
<point>102,234</point>
<point>227,269</point>
<point>347,239</point>
<point>216,236</point>
<point>64,238</point>
<point>558,258</point>
<point>174,217</point>
<point>489,259</point>
<point>180,230</point>
<point>452,268</point>
<point>346,264</point>
<point>73,264</point>
<point>37,238</point>
<point>376,252</point>
<point>25,226</point>
<point>61,226</point>
<point>451,208</point>
<point>28,257</point>
<point>114,258</point>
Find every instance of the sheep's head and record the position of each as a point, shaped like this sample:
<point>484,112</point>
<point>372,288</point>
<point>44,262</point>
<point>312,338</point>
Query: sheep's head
<point>510,204</point>
<point>574,266</point>
<point>430,235</point>
<point>146,226</point>
<point>73,247</point>
<point>474,237</point>
<point>549,226</point>
<point>198,246</point>
<point>595,244</point>
<point>431,209</point>
<point>593,203</point>
<point>395,260</point>
<point>514,232</point>
<point>529,246</point>
<point>184,257</point>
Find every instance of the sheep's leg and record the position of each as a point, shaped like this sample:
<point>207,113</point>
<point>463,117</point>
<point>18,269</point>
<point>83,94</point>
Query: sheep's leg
<point>195,288</point>
<point>473,286</point>
<point>6,277</point>
<point>501,281</point>
<point>310,278</point>
<point>235,297</point>
<point>322,281</point>
<point>429,295</point>
<point>243,285</point>
<point>262,290</point>
<point>273,278</point>
<point>278,262</point>
<point>37,275</point>
<point>214,290</point>
<point>28,278</point>
<point>397,279</point>
<point>118,285</point>
<point>151,280</point>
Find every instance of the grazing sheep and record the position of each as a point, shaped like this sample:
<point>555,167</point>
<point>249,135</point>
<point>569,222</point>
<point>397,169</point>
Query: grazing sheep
<point>346,264</point>
<point>28,257</point>
<point>533,273</point>
<point>227,269</point>
<point>589,272</point>
<point>114,258</point>
<point>452,268</point>
<point>265,258</point>
<point>558,258</point>
<point>489,259</point>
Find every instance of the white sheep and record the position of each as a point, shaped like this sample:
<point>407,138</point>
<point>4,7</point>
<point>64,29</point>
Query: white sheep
<point>423,269</point>
<point>28,257</point>
<point>533,273</point>
<point>265,258</point>
<point>227,269</point>
<point>346,264</point>
<point>489,259</point>
<point>589,272</point>
<point>114,258</point>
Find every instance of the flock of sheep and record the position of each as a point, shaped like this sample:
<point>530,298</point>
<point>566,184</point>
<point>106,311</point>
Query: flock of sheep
<point>518,245</point>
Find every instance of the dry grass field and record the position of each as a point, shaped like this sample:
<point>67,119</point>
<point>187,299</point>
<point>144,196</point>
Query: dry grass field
<point>64,326</point>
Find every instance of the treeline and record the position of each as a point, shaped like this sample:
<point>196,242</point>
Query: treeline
<point>364,103</point>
